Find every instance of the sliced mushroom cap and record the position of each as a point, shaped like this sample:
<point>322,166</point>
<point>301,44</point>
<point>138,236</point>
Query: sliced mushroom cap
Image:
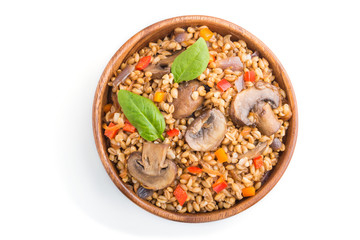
<point>265,119</point>
<point>184,104</point>
<point>246,100</point>
<point>162,67</point>
<point>257,151</point>
<point>207,131</point>
<point>152,169</point>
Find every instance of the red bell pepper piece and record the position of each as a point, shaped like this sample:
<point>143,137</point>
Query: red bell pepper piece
<point>258,162</point>
<point>194,169</point>
<point>173,132</point>
<point>223,85</point>
<point>129,127</point>
<point>219,185</point>
<point>180,195</point>
<point>111,133</point>
<point>143,63</point>
<point>249,76</point>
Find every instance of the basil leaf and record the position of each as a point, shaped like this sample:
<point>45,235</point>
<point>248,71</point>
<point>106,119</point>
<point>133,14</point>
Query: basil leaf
<point>143,114</point>
<point>192,62</point>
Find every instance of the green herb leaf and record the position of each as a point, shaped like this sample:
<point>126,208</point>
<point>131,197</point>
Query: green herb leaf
<point>192,62</point>
<point>143,114</point>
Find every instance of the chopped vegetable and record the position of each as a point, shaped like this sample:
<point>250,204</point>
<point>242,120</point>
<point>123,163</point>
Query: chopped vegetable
<point>212,58</point>
<point>249,76</point>
<point>219,185</point>
<point>123,75</point>
<point>191,63</point>
<point>239,83</point>
<point>231,62</point>
<point>206,34</point>
<point>143,63</point>
<point>143,114</point>
<point>221,155</point>
<point>159,96</point>
<point>223,85</point>
<point>194,169</point>
<point>111,132</point>
<point>180,195</point>
<point>248,191</point>
<point>258,162</point>
<point>181,37</point>
<point>107,107</point>
<point>173,132</point>
<point>129,127</point>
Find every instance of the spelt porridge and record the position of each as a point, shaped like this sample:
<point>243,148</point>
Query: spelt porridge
<point>195,121</point>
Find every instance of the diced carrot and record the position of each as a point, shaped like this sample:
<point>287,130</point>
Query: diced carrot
<point>143,63</point>
<point>212,59</point>
<point>107,107</point>
<point>248,191</point>
<point>219,185</point>
<point>129,127</point>
<point>206,34</point>
<point>221,155</point>
<point>180,195</point>
<point>223,85</point>
<point>173,132</point>
<point>111,133</point>
<point>159,96</point>
<point>258,162</point>
<point>194,169</point>
<point>249,76</point>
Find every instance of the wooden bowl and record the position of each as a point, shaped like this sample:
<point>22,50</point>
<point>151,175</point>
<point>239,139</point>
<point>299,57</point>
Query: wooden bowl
<point>160,30</point>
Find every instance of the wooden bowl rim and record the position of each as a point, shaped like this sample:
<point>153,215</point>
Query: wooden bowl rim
<point>124,51</point>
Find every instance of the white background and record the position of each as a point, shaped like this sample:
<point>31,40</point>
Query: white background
<point>52,183</point>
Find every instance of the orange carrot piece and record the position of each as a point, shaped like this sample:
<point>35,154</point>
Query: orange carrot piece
<point>159,96</point>
<point>206,34</point>
<point>221,155</point>
<point>248,191</point>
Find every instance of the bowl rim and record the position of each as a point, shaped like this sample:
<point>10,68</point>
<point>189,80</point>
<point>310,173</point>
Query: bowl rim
<point>101,90</point>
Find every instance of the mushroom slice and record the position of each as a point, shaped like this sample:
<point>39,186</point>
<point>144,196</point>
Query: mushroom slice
<point>157,70</point>
<point>257,151</point>
<point>162,67</point>
<point>184,104</point>
<point>152,169</point>
<point>247,99</point>
<point>207,131</point>
<point>265,119</point>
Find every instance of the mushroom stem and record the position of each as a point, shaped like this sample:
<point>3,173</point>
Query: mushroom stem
<point>266,121</point>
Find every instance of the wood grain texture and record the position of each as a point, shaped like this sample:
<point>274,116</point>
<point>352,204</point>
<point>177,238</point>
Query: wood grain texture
<point>160,30</point>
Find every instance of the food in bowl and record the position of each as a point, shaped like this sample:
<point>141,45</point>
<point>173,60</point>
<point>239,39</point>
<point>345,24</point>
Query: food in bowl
<point>195,121</point>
